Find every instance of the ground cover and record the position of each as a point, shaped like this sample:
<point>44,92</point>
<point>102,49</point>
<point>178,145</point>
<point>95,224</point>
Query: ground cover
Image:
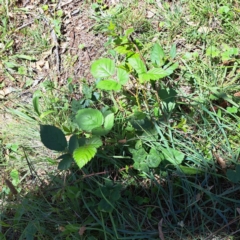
<point>120,119</point>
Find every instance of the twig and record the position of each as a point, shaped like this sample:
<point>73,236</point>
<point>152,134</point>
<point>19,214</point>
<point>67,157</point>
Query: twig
<point>32,170</point>
<point>104,172</point>
<point>11,186</point>
<point>23,26</point>
<point>55,42</point>
<point>226,225</point>
<point>137,49</point>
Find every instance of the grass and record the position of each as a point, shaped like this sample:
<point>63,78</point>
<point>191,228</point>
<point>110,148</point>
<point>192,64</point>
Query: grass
<point>111,198</point>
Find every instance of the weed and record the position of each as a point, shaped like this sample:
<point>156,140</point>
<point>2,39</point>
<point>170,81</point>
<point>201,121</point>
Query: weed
<point>151,148</point>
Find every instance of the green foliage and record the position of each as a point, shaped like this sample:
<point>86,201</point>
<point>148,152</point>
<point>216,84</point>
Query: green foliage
<point>88,119</point>
<point>143,160</point>
<point>234,175</point>
<point>109,194</point>
<point>226,53</point>
<point>81,149</point>
<point>53,138</point>
<point>66,161</point>
<point>103,68</point>
<point>150,122</point>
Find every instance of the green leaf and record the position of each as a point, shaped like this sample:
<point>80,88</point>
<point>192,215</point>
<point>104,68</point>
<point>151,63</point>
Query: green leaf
<point>109,121</point>
<point>233,51</point>
<point>25,57</point>
<point>53,138</point>
<point>173,51</point>
<point>143,166</point>
<point>36,96</point>
<point>15,177</point>
<point>154,158</point>
<point>213,52</point>
<point>11,65</point>
<point>66,162</point>
<point>115,193</point>
<point>105,206</point>
<point>122,76</point>
<point>167,95</point>
<point>88,119</point>
<point>100,131</point>
<point>139,115</point>
<point>129,31</point>
<point>73,143</point>
<point>104,67</point>
<point>225,56</point>
<point>138,65</point>
<point>234,176</point>
<point>154,74</point>
<point>139,155</point>
<point>44,114</point>
<point>109,85</point>
<point>21,115</point>
<point>232,109</point>
<point>108,124</point>
<point>171,69</point>
<point>174,156</point>
<point>125,49</point>
<point>94,142</point>
<point>189,170</point>
<point>36,105</point>
<point>22,70</point>
<point>30,230</point>
<point>157,55</point>
<point>84,154</point>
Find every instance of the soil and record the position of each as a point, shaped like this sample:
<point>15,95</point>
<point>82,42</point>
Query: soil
<point>70,56</point>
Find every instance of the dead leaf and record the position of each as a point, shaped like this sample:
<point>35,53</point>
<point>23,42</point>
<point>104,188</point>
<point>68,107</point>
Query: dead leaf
<point>181,224</point>
<point>192,23</point>
<point>68,137</point>
<point>82,230</point>
<point>238,210</point>
<point>6,91</point>
<point>204,30</point>
<point>47,54</point>
<point>11,187</point>
<point>40,64</point>
<point>220,160</point>
<point>159,4</point>
<point>123,141</point>
<point>198,196</point>
<point>160,232</point>
<point>61,228</point>
<point>237,94</point>
<point>150,13</point>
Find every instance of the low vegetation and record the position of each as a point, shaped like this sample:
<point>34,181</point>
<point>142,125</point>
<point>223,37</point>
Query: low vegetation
<point>146,147</point>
